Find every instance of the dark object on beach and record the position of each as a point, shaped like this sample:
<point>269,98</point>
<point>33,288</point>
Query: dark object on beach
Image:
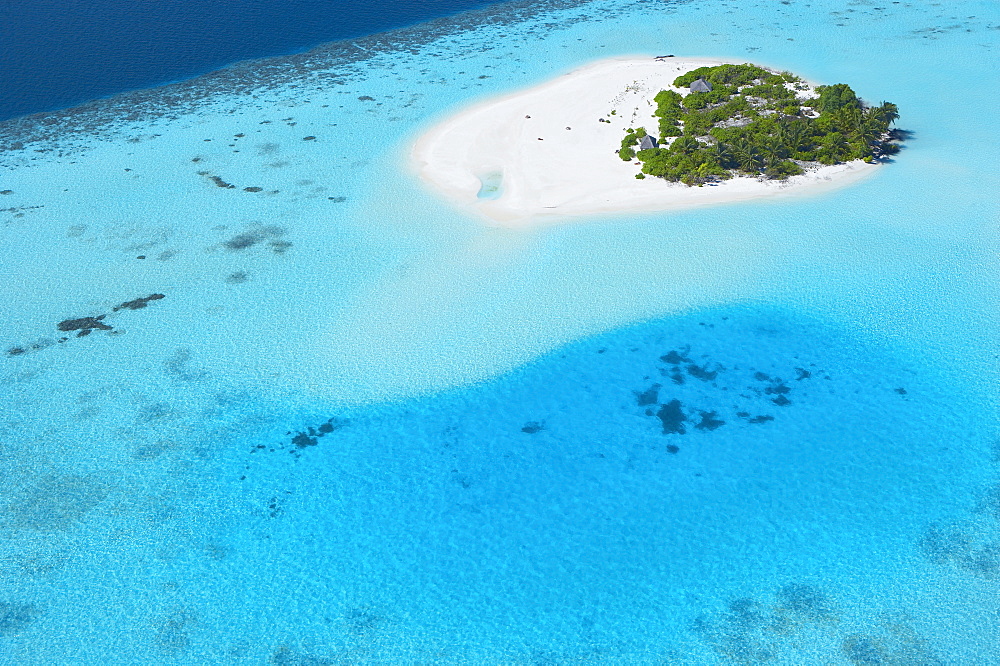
<point>664,56</point>
<point>138,303</point>
<point>83,324</point>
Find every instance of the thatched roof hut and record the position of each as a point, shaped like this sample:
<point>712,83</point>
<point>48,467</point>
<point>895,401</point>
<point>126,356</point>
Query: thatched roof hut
<point>700,85</point>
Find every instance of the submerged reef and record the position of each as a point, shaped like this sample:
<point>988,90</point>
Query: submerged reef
<point>15,618</point>
<point>751,392</point>
<point>53,503</point>
<point>749,631</point>
<point>83,326</point>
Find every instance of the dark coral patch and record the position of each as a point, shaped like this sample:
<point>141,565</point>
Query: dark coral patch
<point>302,440</point>
<point>531,427</point>
<point>709,421</point>
<point>242,241</point>
<point>672,418</point>
<point>675,358</point>
<point>702,372</point>
<point>311,436</point>
<point>219,182</point>
<point>138,303</point>
<point>649,396</point>
<point>83,324</point>
<point>15,618</point>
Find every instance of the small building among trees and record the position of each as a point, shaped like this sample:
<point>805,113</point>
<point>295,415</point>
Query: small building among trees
<point>648,142</point>
<point>700,85</point>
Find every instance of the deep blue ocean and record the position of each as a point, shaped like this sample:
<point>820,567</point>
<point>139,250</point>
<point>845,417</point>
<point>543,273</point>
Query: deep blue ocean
<point>57,53</point>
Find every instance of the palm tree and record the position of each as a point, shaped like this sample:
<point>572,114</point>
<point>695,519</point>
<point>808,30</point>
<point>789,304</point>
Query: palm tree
<point>774,150</point>
<point>747,155</point>
<point>722,154</point>
<point>794,134</point>
<point>848,119</point>
<point>684,145</point>
<point>887,113</point>
<point>869,129</point>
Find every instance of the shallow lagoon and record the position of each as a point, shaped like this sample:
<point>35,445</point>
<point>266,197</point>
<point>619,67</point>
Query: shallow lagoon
<point>362,428</point>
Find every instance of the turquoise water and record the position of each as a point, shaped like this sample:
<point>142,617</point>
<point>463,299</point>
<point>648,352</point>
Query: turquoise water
<point>362,428</point>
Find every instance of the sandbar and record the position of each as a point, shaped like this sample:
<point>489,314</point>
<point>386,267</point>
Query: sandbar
<point>542,156</point>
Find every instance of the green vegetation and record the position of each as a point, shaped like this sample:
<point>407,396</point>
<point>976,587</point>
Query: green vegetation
<point>632,137</point>
<point>753,123</point>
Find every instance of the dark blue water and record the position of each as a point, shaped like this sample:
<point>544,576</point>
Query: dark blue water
<point>57,53</point>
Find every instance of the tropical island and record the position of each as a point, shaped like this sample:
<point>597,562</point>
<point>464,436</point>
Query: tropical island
<point>569,147</point>
<point>746,119</point>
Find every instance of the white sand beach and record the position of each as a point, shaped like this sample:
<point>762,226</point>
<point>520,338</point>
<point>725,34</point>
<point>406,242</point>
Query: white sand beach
<point>541,155</point>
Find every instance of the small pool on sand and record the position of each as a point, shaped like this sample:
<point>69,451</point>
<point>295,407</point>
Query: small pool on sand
<point>492,185</point>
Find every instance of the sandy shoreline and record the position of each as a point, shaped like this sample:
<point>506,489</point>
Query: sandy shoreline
<point>540,155</point>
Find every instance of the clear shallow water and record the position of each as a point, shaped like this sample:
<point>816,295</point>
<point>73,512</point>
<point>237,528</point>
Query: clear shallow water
<point>484,485</point>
